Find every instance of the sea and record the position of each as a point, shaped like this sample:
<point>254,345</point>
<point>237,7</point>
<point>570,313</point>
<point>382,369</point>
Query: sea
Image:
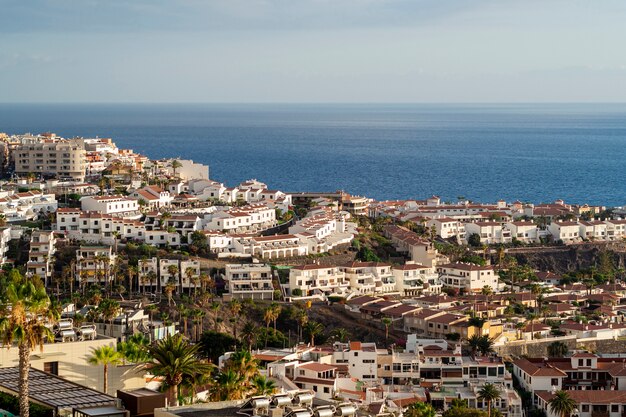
<point>529,152</point>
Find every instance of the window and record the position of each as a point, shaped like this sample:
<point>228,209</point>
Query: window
<point>368,360</point>
<point>326,390</point>
<point>585,408</point>
<point>315,388</point>
<point>51,367</point>
<point>356,353</point>
<point>588,362</point>
<point>581,362</point>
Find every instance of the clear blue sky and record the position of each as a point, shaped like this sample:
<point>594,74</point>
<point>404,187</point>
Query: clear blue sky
<point>312,51</point>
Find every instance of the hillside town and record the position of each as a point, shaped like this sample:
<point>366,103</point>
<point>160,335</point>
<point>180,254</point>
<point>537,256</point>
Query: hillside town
<point>140,287</point>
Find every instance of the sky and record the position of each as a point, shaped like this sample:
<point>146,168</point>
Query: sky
<point>312,51</point>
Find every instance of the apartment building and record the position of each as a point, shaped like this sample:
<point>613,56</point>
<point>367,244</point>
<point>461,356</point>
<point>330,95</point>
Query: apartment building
<point>369,277</point>
<point>270,247</point>
<point>489,232</point>
<point>93,264</point>
<point>152,197</point>
<point>52,158</point>
<point>593,230</point>
<point>588,404</point>
<point>318,280</point>
<point>446,227</point>
<point>41,255</point>
<point>566,232</point>
<point>412,279</point>
<point>526,232</point>
<point>468,278</point>
<point>253,281</point>
<point>118,206</point>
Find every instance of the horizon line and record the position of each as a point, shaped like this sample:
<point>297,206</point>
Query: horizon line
<point>313,102</point>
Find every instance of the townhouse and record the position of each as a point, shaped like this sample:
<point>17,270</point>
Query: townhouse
<point>564,231</point>
<point>468,278</point>
<point>317,280</point>
<point>41,255</point>
<point>447,228</point>
<point>525,232</point>
<point>152,197</point>
<point>94,264</point>
<point>369,277</point>
<point>251,281</point>
<point>412,279</point>
<point>489,232</point>
<point>593,230</point>
<point>419,251</point>
<point>588,404</point>
<point>27,205</point>
<point>616,229</point>
<point>118,206</point>
<point>270,247</point>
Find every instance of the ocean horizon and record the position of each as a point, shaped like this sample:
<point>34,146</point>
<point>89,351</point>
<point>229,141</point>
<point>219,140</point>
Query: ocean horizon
<point>483,152</point>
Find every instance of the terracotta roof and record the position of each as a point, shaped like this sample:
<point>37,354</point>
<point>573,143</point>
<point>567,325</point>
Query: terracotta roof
<point>589,396</point>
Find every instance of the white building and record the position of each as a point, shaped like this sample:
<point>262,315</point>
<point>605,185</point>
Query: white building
<point>93,264</point>
<point>369,277</point>
<point>566,232</point>
<point>593,230</point>
<point>41,255</point>
<point>526,232</point>
<point>118,206</point>
<point>412,279</point>
<point>446,227</point>
<point>152,197</point>
<point>5,237</point>
<point>489,232</point>
<point>252,281</point>
<point>317,280</point>
<point>468,278</point>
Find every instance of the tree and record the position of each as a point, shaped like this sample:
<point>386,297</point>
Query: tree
<point>105,355</point>
<point>175,164</point>
<point>386,321</point>
<point>562,404</point>
<point>24,313</point>
<point>176,361</point>
<point>228,386</point>
<point>268,316</point>
<point>135,349</point>
<point>557,349</point>
<point>214,344</point>
<point>108,309</point>
<point>463,412</point>
<point>489,393</point>
<point>263,386</point>
<point>341,334</point>
<point>244,364</point>
<point>235,309</point>
<point>249,333</point>
<point>419,409</point>
<point>313,329</point>
<point>474,240</point>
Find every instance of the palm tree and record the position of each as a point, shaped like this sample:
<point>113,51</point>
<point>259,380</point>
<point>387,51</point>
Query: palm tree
<point>175,164</point>
<point>277,309</point>
<point>268,316</point>
<point>135,349</point>
<point>109,309</point>
<point>133,272</point>
<point>341,334</point>
<point>169,291</point>
<point>474,342</point>
<point>172,270</point>
<point>105,355</point>
<point>249,332</point>
<point>243,363</point>
<point>176,361</point>
<point>557,349</point>
<point>263,386</point>
<point>228,386</point>
<point>302,318</point>
<point>562,404</point>
<point>420,409</point>
<point>24,312</point>
<point>313,328</point>
<point>386,322</point>
<point>489,393</point>
<point>235,310</point>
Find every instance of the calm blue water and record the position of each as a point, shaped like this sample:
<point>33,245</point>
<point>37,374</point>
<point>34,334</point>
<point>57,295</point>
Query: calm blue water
<point>484,152</point>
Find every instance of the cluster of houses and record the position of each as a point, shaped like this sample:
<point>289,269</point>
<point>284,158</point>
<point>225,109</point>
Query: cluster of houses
<point>504,223</point>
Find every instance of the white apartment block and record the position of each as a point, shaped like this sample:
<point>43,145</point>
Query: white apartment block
<point>182,223</point>
<point>526,232</point>
<point>93,264</point>
<point>148,274</point>
<point>169,272</point>
<point>317,280</point>
<point>253,281</point>
<point>593,230</point>
<point>189,274</point>
<point>412,279</point>
<point>118,206</point>
<point>52,158</point>
<point>566,232</point>
<point>271,247</point>
<point>446,227</point>
<point>5,237</point>
<point>218,242</point>
<point>489,232</point>
<point>361,359</point>
<point>252,218</point>
<point>616,229</point>
<point>41,255</point>
<point>369,277</point>
<point>187,171</point>
<point>153,197</point>
<point>468,278</point>
<point>26,205</point>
